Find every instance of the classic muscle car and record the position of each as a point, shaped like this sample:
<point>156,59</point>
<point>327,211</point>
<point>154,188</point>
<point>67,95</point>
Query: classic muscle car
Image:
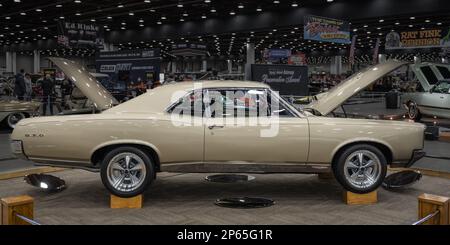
<point>11,112</point>
<point>219,127</point>
<point>431,96</point>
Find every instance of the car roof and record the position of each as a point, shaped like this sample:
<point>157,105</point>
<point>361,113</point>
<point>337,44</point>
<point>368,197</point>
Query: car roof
<point>159,99</point>
<point>190,85</point>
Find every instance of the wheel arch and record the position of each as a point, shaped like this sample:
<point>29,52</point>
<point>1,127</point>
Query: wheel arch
<point>100,151</point>
<point>383,147</point>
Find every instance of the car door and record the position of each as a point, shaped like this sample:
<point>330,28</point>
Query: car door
<point>437,101</point>
<point>183,132</point>
<point>252,125</point>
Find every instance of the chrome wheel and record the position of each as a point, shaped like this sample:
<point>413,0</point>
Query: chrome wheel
<point>362,169</point>
<point>14,118</point>
<point>413,110</point>
<point>126,172</point>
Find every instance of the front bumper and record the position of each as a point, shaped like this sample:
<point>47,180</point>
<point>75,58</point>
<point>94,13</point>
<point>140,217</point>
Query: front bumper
<point>416,156</point>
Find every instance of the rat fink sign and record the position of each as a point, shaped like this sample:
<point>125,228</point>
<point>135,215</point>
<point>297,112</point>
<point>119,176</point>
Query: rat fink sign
<point>431,38</point>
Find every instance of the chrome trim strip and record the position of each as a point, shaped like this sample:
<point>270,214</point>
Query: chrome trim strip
<point>244,167</point>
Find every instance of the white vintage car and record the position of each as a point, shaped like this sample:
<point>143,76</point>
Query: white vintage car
<point>219,127</point>
<point>432,93</point>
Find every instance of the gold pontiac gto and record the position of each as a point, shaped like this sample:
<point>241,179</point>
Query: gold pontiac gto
<point>219,127</point>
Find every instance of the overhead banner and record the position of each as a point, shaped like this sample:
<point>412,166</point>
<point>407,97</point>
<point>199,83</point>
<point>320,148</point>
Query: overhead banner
<point>326,30</point>
<point>129,66</point>
<point>79,35</point>
<point>286,79</point>
<point>376,52</point>
<point>432,38</point>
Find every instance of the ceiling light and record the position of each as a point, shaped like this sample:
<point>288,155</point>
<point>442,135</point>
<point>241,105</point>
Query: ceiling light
<point>241,6</point>
<point>294,4</point>
<point>131,14</point>
<point>59,5</point>
<point>38,10</point>
<point>159,22</point>
<point>381,21</point>
<point>77,1</point>
<point>330,1</point>
<point>439,23</point>
<point>23,13</point>
<point>109,17</point>
<point>276,2</point>
<point>77,14</point>
<point>120,6</point>
<point>185,14</point>
<point>213,10</point>
<point>147,1</point>
<point>397,23</point>
<point>258,9</point>
<point>203,16</point>
<point>232,12</point>
<point>163,17</point>
<point>207,1</point>
<point>412,18</point>
<point>180,5</point>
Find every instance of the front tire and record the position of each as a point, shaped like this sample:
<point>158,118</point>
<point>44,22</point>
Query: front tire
<point>127,171</point>
<point>360,168</point>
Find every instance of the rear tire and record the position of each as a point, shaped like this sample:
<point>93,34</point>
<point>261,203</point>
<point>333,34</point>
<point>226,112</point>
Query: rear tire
<point>127,171</point>
<point>360,168</point>
<point>14,118</point>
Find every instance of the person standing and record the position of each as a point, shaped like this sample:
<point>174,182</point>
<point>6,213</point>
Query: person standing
<point>19,85</point>
<point>48,89</point>
<point>28,87</point>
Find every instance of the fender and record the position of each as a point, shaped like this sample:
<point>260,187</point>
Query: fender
<point>358,140</point>
<point>126,141</point>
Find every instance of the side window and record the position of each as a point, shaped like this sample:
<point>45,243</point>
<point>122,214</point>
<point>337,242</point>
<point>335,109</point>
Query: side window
<point>429,74</point>
<point>191,104</point>
<point>444,71</point>
<point>224,103</point>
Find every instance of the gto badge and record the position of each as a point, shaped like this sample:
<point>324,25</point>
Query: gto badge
<point>34,135</point>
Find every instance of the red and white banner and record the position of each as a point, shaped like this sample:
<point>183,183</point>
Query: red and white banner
<point>352,51</point>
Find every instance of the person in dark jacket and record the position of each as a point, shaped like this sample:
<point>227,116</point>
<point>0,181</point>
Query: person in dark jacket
<point>48,89</point>
<point>19,85</point>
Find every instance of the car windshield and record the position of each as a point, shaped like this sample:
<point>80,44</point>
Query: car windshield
<point>442,87</point>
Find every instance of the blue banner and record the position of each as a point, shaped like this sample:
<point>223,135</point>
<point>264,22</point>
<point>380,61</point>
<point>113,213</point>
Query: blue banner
<point>326,30</point>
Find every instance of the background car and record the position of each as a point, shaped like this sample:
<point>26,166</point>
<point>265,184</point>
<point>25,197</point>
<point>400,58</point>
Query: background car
<point>11,112</point>
<point>430,95</point>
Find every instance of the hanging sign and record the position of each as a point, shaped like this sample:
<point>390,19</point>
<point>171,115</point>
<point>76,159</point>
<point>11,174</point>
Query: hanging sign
<point>431,38</point>
<point>326,29</point>
<point>79,35</point>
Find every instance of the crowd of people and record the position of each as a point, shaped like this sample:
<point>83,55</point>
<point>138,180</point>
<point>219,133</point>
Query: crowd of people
<point>23,89</point>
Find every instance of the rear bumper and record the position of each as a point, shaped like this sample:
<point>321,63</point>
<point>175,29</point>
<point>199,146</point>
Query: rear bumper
<point>416,156</point>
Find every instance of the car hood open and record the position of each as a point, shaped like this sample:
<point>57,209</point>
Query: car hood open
<point>329,101</point>
<point>86,83</point>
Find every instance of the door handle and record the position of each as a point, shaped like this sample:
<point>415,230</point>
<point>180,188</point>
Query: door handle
<point>215,126</point>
